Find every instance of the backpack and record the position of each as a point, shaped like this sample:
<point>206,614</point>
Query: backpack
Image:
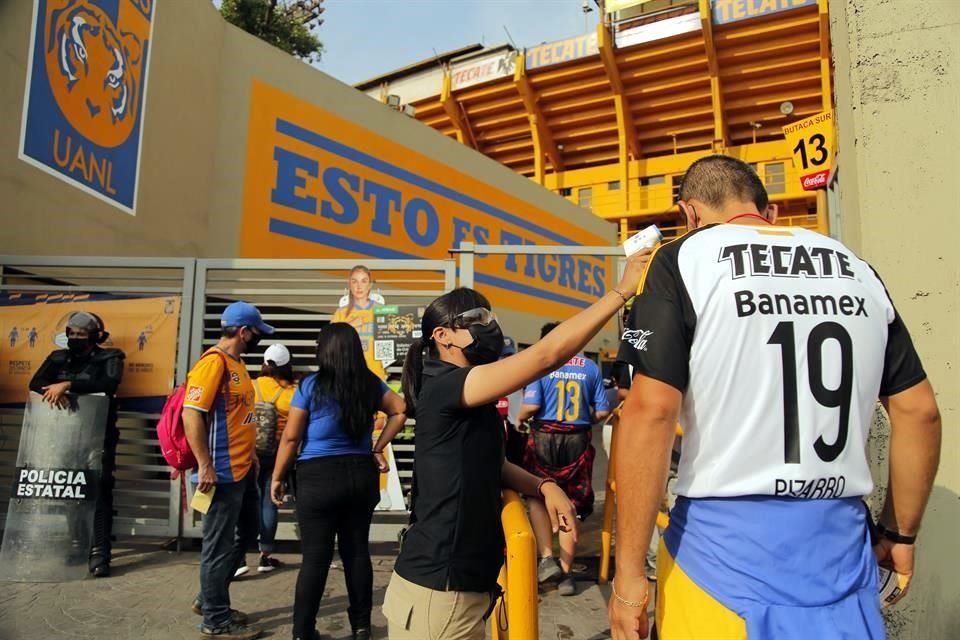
<point>173,439</point>
<point>265,413</point>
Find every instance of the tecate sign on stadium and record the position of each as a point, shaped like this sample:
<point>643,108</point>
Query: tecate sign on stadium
<point>319,186</point>
<point>725,11</point>
<point>86,83</point>
<point>473,72</point>
<point>562,51</point>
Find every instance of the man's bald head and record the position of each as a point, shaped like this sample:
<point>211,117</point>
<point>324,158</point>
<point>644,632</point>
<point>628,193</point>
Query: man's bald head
<point>719,181</point>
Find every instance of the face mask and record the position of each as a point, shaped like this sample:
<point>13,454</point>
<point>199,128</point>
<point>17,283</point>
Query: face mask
<point>77,346</point>
<point>487,343</point>
<point>253,342</point>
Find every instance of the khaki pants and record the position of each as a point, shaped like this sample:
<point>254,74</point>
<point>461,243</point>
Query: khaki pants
<point>418,613</point>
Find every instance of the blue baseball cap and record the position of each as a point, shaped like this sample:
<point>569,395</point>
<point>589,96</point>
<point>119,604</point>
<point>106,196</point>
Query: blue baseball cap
<point>509,347</point>
<point>244,314</point>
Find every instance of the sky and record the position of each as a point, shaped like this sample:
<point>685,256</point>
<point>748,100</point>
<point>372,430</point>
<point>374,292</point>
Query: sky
<point>367,38</point>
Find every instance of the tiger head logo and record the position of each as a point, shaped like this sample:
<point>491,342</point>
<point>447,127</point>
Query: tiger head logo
<point>94,70</point>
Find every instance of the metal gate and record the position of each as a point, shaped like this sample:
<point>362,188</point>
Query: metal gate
<point>147,503</point>
<point>298,297</point>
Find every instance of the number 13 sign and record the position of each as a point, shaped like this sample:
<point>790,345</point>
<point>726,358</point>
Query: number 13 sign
<point>812,142</point>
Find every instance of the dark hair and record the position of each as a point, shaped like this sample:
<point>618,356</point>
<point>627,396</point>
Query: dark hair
<point>271,369</point>
<point>343,378</point>
<point>229,332</point>
<point>718,179</point>
<point>440,313</point>
<point>547,328</point>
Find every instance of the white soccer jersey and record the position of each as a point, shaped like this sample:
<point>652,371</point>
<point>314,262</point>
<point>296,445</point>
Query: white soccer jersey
<point>781,341</point>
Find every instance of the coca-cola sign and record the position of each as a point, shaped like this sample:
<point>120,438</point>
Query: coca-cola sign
<point>815,181</point>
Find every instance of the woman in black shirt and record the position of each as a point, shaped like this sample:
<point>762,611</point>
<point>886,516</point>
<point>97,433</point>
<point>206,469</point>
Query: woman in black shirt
<point>447,570</point>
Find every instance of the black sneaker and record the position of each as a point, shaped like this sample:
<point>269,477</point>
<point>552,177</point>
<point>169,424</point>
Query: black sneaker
<point>362,634</point>
<point>567,586</point>
<point>268,564</point>
<point>233,631</point>
<point>238,617</point>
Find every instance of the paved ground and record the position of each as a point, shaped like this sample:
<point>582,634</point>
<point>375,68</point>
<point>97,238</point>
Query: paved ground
<point>150,593</point>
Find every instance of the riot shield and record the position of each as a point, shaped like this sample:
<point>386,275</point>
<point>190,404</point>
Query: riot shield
<point>49,526</point>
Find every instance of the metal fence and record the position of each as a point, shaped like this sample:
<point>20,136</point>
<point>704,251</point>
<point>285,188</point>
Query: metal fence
<point>298,297</point>
<point>147,503</point>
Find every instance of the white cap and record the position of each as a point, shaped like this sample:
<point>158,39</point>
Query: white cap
<point>278,353</point>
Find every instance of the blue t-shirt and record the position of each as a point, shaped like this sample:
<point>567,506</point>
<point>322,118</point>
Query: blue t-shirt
<point>325,434</point>
<point>567,394</point>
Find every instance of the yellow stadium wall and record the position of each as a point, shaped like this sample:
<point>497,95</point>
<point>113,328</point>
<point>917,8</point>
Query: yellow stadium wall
<point>208,175</point>
<point>898,91</point>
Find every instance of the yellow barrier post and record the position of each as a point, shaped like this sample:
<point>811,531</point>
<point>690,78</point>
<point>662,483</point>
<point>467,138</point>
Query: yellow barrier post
<point>610,504</point>
<point>518,578</point>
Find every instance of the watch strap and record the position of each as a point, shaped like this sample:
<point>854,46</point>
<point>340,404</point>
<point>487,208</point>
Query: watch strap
<point>896,536</point>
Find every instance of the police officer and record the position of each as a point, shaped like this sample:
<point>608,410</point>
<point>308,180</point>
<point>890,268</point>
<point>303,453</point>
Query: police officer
<point>86,367</point>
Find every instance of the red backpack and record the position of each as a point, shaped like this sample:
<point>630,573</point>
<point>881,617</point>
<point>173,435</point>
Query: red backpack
<point>173,439</point>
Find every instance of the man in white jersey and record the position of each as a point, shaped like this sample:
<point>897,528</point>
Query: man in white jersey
<point>771,346</point>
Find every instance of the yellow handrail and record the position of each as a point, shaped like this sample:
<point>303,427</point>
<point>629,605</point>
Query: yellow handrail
<point>609,505</point>
<point>515,616</point>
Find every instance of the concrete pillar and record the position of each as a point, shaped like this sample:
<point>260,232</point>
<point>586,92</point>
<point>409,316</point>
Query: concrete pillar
<point>897,70</point>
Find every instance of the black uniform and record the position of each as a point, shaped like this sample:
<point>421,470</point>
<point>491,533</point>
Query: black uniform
<point>98,371</point>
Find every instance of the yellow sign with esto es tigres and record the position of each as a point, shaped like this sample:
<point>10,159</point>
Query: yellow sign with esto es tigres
<point>320,186</point>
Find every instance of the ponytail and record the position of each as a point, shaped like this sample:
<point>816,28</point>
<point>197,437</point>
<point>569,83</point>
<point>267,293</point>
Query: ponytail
<point>439,313</point>
<point>412,377</point>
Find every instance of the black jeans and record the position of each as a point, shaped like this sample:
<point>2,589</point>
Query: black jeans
<point>336,496</point>
<point>229,528</point>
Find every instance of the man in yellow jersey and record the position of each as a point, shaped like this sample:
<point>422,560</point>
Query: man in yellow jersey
<point>218,418</point>
<point>358,313</point>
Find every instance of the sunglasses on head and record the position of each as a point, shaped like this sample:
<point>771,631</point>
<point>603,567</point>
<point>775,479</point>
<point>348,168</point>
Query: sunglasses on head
<point>479,315</point>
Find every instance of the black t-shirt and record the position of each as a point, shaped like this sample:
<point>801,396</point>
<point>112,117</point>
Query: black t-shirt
<point>456,542</point>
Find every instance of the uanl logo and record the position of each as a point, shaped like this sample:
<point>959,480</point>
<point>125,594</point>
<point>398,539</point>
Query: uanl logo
<point>84,100</point>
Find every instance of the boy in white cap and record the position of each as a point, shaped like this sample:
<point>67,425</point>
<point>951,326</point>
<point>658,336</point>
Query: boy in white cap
<point>274,389</point>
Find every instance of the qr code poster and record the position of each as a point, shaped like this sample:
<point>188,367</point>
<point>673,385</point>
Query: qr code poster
<point>395,328</point>
<point>383,350</point>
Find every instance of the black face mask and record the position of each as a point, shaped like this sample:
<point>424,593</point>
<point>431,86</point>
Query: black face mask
<point>78,346</point>
<point>254,341</point>
<point>487,343</point>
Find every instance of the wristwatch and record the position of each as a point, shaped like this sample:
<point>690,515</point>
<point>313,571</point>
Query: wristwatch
<point>895,536</point>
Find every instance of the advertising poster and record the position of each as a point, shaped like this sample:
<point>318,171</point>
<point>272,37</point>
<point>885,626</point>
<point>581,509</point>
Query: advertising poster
<point>395,327</point>
<point>145,329</point>
<point>86,85</point>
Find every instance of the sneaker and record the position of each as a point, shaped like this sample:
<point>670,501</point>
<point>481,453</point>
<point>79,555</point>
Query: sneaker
<point>241,571</point>
<point>567,586</point>
<point>238,617</point>
<point>268,564</point>
<point>233,631</point>
<point>362,634</point>
<point>548,569</point>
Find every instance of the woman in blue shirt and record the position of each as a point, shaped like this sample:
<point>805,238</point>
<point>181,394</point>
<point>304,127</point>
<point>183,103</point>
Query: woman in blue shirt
<point>338,484</point>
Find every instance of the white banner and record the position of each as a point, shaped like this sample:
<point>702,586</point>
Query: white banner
<point>659,30</point>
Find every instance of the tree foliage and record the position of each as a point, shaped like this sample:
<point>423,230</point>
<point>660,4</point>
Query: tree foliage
<point>286,24</point>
